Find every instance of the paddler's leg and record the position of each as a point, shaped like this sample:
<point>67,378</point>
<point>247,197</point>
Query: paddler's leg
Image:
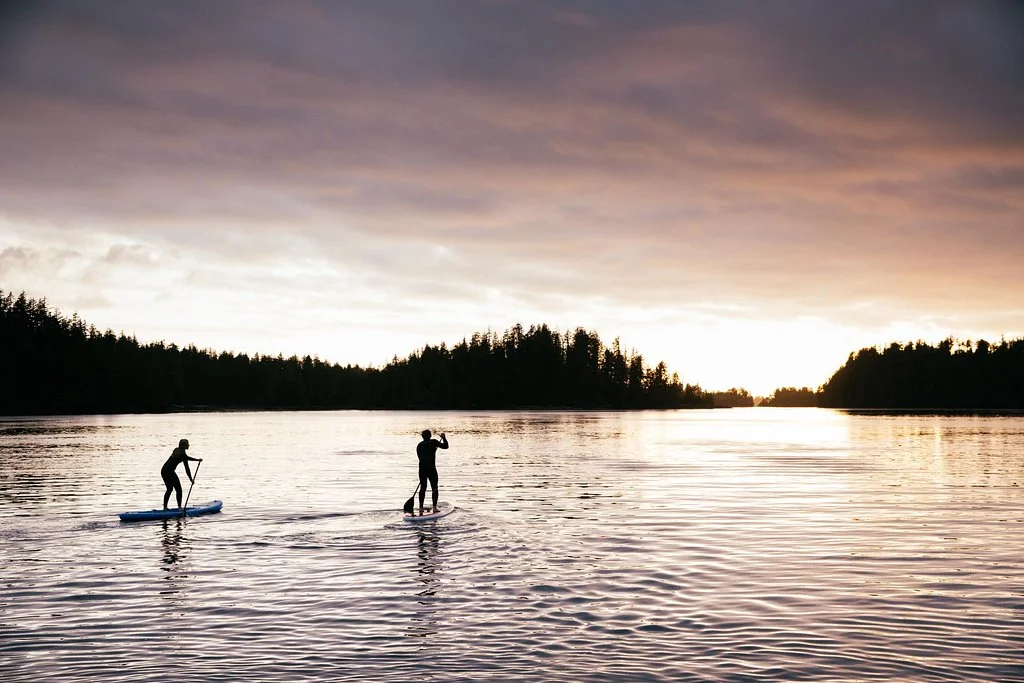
<point>433,488</point>
<point>171,482</point>
<point>423,488</point>
<point>177,489</point>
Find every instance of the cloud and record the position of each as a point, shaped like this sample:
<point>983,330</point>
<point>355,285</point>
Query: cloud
<point>16,257</point>
<point>857,162</point>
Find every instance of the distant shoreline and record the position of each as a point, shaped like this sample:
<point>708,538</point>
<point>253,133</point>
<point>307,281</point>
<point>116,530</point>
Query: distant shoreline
<point>182,410</point>
<point>981,412</point>
<point>882,412</point>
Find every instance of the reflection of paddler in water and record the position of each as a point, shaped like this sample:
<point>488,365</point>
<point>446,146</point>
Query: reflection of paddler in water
<point>178,456</point>
<point>171,541</point>
<point>174,559</point>
<point>428,546</point>
<point>425,618</point>
<point>426,451</point>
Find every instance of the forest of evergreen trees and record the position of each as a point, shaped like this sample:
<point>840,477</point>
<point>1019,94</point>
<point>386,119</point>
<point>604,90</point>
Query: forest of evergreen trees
<point>950,375</point>
<point>53,364</point>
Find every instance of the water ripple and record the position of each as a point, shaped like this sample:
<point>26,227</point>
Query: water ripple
<point>667,546</point>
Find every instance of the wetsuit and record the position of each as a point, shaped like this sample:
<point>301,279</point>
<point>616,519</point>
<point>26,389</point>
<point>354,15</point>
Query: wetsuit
<point>170,477</point>
<point>426,451</point>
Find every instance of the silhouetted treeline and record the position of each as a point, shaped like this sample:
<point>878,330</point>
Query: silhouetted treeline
<point>733,398</point>
<point>53,364</point>
<point>791,397</point>
<point>535,368</point>
<point>951,375</point>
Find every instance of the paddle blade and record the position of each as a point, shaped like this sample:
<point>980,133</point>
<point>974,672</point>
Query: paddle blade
<point>409,505</point>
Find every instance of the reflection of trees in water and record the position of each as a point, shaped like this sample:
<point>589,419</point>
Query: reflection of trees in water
<point>52,462</point>
<point>42,484</point>
<point>425,620</point>
<point>21,427</point>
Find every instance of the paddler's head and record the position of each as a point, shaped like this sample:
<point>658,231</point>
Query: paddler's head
<point>183,443</point>
<point>425,434</point>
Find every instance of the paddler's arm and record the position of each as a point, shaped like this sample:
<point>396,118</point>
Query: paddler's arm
<point>444,441</point>
<point>187,470</point>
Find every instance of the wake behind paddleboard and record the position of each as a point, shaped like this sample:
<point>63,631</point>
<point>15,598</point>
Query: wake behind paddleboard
<point>190,511</point>
<point>444,509</point>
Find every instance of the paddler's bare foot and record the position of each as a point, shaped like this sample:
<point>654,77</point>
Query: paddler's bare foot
<point>434,510</point>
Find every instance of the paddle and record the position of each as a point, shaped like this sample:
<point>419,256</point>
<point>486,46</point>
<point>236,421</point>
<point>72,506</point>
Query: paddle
<point>409,504</point>
<point>185,506</point>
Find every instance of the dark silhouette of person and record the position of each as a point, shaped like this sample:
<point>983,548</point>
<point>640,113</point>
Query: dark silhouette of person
<point>178,456</point>
<point>426,451</point>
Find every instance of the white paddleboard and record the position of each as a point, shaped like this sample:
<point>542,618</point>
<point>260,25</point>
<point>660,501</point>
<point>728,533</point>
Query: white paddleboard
<point>443,510</point>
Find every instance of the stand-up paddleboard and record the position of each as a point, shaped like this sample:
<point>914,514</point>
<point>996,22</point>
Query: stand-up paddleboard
<point>443,510</point>
<point>190,511</point>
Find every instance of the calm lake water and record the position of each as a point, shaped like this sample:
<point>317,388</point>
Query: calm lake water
<point>731,545</point>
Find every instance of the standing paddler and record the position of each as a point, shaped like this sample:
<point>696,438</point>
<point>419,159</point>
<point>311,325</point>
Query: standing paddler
<point>426,451</point>
<point>178,456</point>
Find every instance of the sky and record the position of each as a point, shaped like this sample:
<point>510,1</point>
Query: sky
<point>748,191</point>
